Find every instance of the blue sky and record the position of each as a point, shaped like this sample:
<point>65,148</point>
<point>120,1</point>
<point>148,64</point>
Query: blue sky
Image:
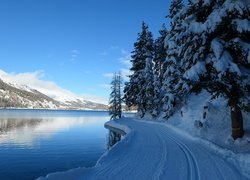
<point>75,44</point>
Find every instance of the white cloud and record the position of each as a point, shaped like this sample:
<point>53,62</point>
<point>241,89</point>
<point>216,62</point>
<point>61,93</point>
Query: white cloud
<point>125,73</point>
<point>108,75</point>
<point>115,48</point>
<point>126,60</point>
<point>93,98</point>
<point>126,64</point>
<point>75,51</point>
<point>74,54</point>
<point>34,80</point>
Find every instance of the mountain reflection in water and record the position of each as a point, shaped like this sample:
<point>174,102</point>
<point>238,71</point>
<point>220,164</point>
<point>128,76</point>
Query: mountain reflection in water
<point>27,131</point>
<point>34,143</point>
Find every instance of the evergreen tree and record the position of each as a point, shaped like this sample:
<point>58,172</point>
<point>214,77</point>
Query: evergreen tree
<point>157,105</point>
<point>217,59</point>
<point>139,90</point>
<point>146,94</point>
<point>159,58</point>
<point>172,81</point>
<point>115,101</point>
<point>174,9</point>
<point>160,53</point>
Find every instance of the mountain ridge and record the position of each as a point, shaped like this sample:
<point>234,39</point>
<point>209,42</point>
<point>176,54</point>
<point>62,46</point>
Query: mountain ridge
<point>22,96</point>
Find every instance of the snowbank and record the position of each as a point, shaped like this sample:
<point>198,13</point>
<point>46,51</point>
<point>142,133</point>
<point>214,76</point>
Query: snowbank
<point>209,122</point>
<point>115,126</point>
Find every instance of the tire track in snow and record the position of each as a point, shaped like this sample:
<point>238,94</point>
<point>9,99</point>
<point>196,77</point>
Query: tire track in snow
<point>193,169</point>
<point>164,151</point>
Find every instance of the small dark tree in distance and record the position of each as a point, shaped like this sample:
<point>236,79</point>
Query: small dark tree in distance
<point>115,101</point>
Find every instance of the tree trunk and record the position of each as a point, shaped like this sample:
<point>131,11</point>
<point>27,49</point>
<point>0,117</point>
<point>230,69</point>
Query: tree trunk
<point>237,122</point>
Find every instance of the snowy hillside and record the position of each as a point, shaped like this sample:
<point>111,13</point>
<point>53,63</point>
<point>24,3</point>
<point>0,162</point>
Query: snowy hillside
<point>13,95</point>
<point>208,118</point>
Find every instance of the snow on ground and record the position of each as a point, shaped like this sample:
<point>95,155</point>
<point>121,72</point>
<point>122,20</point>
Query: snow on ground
<point>152,150</point>
<point>214,129</point>
<point>216,125</point>
<point>193,144</point>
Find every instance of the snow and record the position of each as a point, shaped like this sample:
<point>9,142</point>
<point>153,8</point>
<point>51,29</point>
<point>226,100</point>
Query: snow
<point>161,150</point>
<point>217,48</point>
<point>117,126</point>
<point>224,63</point>
<point>242,25</point>
<point>195,71</point>
<point>215,18</point>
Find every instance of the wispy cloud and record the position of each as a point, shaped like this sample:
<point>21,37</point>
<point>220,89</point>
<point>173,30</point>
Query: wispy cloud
<point>126,60</point>
<point>108,75</point>
<point>125,73</point>
<point>94,98</point>
<point>125,70</point>
<point>114,48</point>
<point>74,54</point>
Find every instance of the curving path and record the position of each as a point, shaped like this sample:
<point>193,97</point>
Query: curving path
<point>154,151</point>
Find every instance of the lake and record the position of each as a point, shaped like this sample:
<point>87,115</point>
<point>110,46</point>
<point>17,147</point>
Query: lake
<point>34,143</point>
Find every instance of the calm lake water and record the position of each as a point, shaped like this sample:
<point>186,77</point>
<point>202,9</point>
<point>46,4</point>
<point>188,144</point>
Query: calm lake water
<point>34,143</point>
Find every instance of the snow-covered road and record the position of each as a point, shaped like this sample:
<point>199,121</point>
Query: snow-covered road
<point>155,151</point>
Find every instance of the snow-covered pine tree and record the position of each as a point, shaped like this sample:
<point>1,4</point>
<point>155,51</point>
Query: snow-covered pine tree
<point>160,53</point>
<point>139,90</point>
<point>172,82</point>
<point>157,105</point>
<point>215,52</point>
<point>159,58</point>
<point>115,101</point>
<point>146,94</point>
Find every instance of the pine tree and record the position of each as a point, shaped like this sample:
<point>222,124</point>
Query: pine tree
<point>215,59</point>
<point>159,58</point>
<point>115,101</point>
<point>157,103</point>
<point>146,94</point>
<point>172,81</point>
<point>137,91</point>
<point>160,53</point>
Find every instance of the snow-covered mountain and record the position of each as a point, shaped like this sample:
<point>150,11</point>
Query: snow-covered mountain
<point>13,95</point>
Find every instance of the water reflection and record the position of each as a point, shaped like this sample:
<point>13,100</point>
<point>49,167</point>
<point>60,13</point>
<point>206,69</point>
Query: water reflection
<point>113,138</point>
<point>26,130</point>
<point>34,143</point>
